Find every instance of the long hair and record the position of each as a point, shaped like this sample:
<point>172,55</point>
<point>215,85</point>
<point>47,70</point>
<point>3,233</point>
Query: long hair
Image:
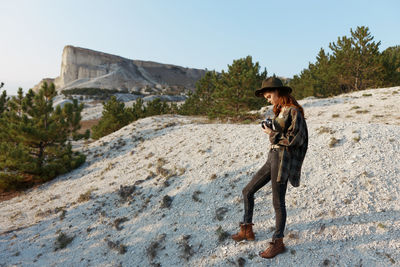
<point>288,100</point>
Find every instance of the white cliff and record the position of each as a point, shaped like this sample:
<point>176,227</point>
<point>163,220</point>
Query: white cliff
<point>85,68</point>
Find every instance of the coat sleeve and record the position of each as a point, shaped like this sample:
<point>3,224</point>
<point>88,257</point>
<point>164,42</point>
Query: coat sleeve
<point>295,134</point>
<point>274,136</point>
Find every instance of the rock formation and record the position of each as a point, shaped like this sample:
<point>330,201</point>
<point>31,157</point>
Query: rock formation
<point>85,68</point>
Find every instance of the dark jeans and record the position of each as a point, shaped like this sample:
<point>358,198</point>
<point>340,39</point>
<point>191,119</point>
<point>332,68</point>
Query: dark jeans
<point>268,171</point>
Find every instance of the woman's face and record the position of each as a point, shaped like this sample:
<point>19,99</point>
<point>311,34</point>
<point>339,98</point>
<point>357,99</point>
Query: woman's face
<point>272,97</point>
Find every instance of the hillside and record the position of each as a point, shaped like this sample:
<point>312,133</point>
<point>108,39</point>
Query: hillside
<point>166,190</point>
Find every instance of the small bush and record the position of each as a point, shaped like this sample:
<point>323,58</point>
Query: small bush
<point>366,94</point>
<point>120,248</point>
<point>162,171</point>
<point>381,225</point>
<point>125,192</point>
<point>346,201</point>
<point>326,262</point>
<point>324,129</point>
<point>62,241</point>
<point>62,215</point>
<point>166,202</point>
<point>118,221</point>
<point>181,171</point>
<point>187,250</point>
<point>195,196</point>
<point>220,212</point>
<point>161,161</point>
<point>294,235</point>
<point>155,246</point>
<point>85,196</point>
<point>222,235</point>
<point>378,116</point>
<point>149,155</point>
<point>333,142</point>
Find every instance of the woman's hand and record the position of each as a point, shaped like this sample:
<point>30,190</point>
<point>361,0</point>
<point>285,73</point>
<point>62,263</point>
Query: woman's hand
<point>267,130</point>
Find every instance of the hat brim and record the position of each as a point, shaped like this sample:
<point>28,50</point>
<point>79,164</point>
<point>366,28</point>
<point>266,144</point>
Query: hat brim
<point>259,92</point>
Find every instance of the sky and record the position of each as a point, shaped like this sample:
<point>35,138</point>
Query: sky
<point>283,36</point>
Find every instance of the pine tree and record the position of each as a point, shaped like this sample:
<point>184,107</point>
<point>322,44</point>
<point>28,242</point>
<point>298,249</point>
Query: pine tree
<point>156,107</point>
<point>234,93</point>
<point>199,101</point>
<point>174,108</point>
<point>138,109</point>
<point>114,117</point>
<point>391,63</point>
<point>303,83</point>
<point>205,87</point>
<point>355,64</point>
<point>357,60</point>
<point>192,105</point>
<point>3,101</point>
<point>323,76</point>
<point>33,138</point>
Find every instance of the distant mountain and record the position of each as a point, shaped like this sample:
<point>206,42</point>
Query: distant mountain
<point>85,68</point>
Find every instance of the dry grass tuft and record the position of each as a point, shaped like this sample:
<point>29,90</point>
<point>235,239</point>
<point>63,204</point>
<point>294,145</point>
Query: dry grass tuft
<point>187,250</point>
<point>222,234</point>
<point>86,196</point>
<point>154,247</point>
<point>324,129</point>
<point>120,248</point>
<point>333,142</point>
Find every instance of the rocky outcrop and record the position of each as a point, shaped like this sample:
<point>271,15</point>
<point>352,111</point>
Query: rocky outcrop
<point>85,68</point>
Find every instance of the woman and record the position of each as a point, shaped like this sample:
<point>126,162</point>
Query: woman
<point>289,142</point>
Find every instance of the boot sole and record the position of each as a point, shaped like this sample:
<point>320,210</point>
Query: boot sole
<point>248,239</point>
<point>259,254</point>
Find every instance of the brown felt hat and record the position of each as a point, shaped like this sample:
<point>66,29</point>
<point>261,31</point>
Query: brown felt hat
<point>271,84</point>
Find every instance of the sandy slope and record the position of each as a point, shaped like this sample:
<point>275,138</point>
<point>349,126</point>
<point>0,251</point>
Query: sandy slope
<point>346,211</point>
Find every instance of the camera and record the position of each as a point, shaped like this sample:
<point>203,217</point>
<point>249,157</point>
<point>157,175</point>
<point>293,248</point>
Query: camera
<point>267,123</point>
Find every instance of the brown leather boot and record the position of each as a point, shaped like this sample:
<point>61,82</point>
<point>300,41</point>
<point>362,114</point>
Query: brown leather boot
<point>275,247</point>
<point>246,232</point>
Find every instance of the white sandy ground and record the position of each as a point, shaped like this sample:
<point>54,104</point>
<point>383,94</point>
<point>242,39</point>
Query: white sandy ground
<point>346,211</point>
